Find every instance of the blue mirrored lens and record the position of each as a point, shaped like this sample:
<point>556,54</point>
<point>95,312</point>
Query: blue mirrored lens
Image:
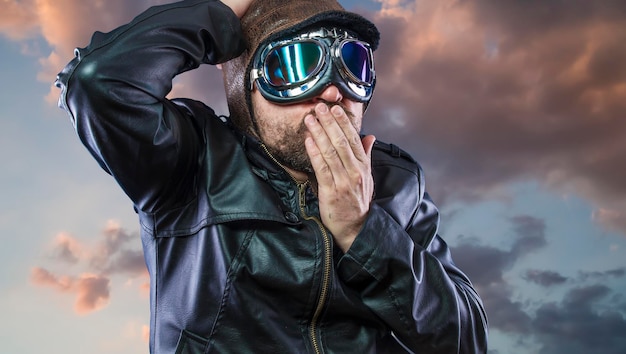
<point>356,58</point>
<point>292,63</point>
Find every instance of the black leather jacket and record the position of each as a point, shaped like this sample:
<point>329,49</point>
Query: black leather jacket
<point>239,260</point>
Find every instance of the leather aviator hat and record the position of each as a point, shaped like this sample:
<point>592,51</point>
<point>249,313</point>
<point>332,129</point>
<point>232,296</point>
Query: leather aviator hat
<point>269,20</point>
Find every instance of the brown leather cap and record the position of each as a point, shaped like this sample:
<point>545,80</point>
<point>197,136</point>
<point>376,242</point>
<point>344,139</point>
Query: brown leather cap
<point>268,20</point>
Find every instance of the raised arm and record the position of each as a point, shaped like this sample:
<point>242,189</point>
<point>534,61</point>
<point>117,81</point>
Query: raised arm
<point>115,88</point>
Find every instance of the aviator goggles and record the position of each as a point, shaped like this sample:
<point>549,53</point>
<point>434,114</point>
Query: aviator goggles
<point>297,69</point>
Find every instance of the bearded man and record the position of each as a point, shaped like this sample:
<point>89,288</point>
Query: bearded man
<point>279,229</point>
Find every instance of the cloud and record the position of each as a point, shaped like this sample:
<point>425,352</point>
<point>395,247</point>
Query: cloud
<point>92,292</point>
<point>614,218</point>
<point>66,248</point>
<point>602,276</point>
<point>65,25</point>
<point>486,265</point>
<point>503,93</point>
<point>490,97</point>
<point>18,20</point>
<point>494,93</point>
<point>575,326</point>
<point>41,276</point>
<point>109,257</point>
<point>109,254</point>
<point>588,319</point>
<point>544,278</point>
<point>204,84</point>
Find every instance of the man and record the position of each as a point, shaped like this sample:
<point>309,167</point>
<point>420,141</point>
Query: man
<point>278,230</point>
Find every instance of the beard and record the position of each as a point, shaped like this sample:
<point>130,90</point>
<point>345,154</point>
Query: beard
<point>289,150</point>
<point>287,143</point>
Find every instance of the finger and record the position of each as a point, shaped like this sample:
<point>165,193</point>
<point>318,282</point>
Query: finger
<point>320,167</point>
<point>329,120</point>
<point>326,149</point>
<point>350,132</point>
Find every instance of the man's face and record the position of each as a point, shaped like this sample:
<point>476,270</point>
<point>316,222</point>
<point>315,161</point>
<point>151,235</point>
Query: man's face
<point>281,127</point>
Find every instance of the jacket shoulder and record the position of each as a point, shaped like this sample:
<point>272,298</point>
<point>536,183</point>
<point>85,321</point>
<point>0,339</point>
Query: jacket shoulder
<point>391,155</point>
<point>396,173</point>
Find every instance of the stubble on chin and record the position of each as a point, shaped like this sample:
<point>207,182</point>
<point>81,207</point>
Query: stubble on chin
<point>289,149</point>
<point>290,152</point>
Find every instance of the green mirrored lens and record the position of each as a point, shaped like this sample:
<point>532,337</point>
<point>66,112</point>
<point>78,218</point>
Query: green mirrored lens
<point>292,63</point>
<point>356,57</point>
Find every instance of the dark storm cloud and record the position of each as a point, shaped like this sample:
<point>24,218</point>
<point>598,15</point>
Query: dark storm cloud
<point>485,93</point>
<point>588,319</point>
<point>599,276</point>
<point>548,278</point>
<point>544,278</point>
<point>485,265</point>
<point>531,19</point>
<point>530,232</point>
<point>575,326</point>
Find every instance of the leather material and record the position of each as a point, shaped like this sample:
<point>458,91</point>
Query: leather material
<point>237,257</point>
<point>267,20</point>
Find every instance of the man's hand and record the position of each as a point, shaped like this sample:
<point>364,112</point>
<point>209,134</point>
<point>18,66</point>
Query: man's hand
<point>239,7</point>
<point>342,165</point>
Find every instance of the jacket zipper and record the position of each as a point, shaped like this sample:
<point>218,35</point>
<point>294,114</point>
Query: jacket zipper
<point>326,270</point>
<point>327,256</point>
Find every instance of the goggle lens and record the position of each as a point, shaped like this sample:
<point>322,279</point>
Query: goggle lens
<point>293,63</point>
<point>356,57</point>
<point>297,69</point>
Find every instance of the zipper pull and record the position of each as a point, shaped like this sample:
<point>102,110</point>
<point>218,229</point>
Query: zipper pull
<point>302,195</point>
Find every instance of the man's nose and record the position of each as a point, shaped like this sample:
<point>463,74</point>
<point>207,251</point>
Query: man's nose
<point>330,94</point>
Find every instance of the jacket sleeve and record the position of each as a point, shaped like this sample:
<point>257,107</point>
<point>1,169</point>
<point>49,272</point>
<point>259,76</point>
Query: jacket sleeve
<point>404,272</point>
<point>114,91</point>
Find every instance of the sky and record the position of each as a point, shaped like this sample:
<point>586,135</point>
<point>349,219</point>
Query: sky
<point>516,110</point>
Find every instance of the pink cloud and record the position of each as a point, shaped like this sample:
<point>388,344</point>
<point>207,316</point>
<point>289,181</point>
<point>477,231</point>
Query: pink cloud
<point>18,19</point>
<point>109,253</point>
<point>42,277</point>
<point>110,257</point>
<point>92,292</point>
<point>66,248</point>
